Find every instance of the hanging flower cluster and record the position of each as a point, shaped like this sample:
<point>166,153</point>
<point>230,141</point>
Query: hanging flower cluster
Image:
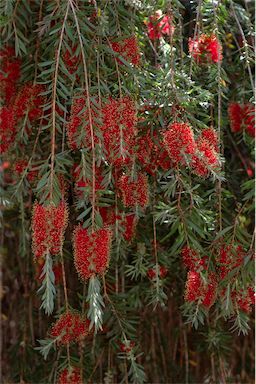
<point>78,127</point>
<point>119,130</point>
<point>48,227</point>
<point>242,116</point>
<point>205,49</point>
<point>229,258</point>
<point>7,128</point>
<point>127,222</point>
<point>160,25</point>
<point>91,251</point>
<point>29,102</point>
<point>198,290</point>
<point>128,49</point>
<point>134,192</point>
<point>70,327</point>
<point>152,272</point>
<point>205,159</point>
<point>245,299</point>
<point>9,73</point>
<point>179,141</point>
<point>192,259</point>
<point>70,376</point>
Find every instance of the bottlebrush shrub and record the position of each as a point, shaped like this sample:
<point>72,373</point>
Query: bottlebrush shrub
<point>134,192</point>
<point>127,49</point>
<point>210,135</point>
<point>119,130</point>
<point>159,25</point>
<point>9,73</point>
<point>70,327</point>
<point>205,49</point>
<point>242,116</point>
<point>70,376</point>
<point>78,127</point>
<point>91,251</point>
<point>48,227</point>
<point>179,142</point>
<point>29,102</point>
<point>192,259</point>
<point>205,159</point>
<point>197,290</point>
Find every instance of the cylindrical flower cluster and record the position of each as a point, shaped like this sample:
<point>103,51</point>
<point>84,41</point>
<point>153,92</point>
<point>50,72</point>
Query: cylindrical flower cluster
<point>70,376</point>
<point>128,49</point>
<point>70,327</point>
<point>205,49</point>
<point>91,251</point>
<point>134,193</point>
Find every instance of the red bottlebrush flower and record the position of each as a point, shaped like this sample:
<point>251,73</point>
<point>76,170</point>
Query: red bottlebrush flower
<point>29,102</point>
<point>205,159</point>
<point>48,226</point>
<point>159,25</point>
<point>119,130</point>
<point>129,224</point>
<point>179,141</point>
<point>9,74</point>
<point>145,147</point>
<point>192,259</point>
<point>210,291</point>
<point>251,294</point>
<point>128,49</point>
<point>91,251</point>
<point>78,127</point>
<point>70,327</point>
<point>229,258</point>
<point>206,48</point>
<point>243,300</point>
<point>8,128</point>
<point>127,346</point>
<point>235,113</point>
<point>193,286</point>
<point>152,272</point>
<point>210,135</point>
<point>71,376</point>
<point>249,119</point>
<point>134,193</point>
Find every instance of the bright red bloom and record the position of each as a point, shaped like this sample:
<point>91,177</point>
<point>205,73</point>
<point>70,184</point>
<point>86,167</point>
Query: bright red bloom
<point>128,49</point>
<point>48,226</point>
<point>8,128</point>
<point>244,300</point>
<point>192,259</point>
<point>249,119</point>
<point>205,159</point>
<point>78,127</point>
<point>152,273</point>
<point>210,135</point>
<point>179,141</point>
<point>229,258</point>
<point>29,102</point>
<point>119,130</point>
<point>193,286</point>
<point>210,291</point>
<point>235,113</point>
<point>91,251</point>
<point>71,376</point>
<point>70,327</point>
<point>134,193</point>
<point>129,223</point>
<point>9,74</point>
<point>159,25</point>
<point>206,48</point>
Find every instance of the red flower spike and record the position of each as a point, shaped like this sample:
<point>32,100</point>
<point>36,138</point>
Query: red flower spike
<point>8,128</point>
<point>210,135</point>
<point>249,119</point>
<point>206,48</point>
<point>193,286</point>
<point>235,113</point>
<point>129,223</point>
<point>48,227</point>
<point>210,291</point>
<point>91,251</point>
<point>71,376</point>
<point>9,74</point>
<point>251,294</point>
<point>70,327</point>
<point>119,130</point>
<point>128,49</point>
<point>159,25</point>
<point>192,259</point>
<point>229,258</point>
<point>179,141</point>
<point>29,101</point>
<point>78,127</point>
<point>243,300</point>
<point>134,193</point>
<point>205,159</point>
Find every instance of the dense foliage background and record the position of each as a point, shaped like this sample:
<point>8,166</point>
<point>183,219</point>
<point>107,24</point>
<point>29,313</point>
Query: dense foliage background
<point>127,137</point>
